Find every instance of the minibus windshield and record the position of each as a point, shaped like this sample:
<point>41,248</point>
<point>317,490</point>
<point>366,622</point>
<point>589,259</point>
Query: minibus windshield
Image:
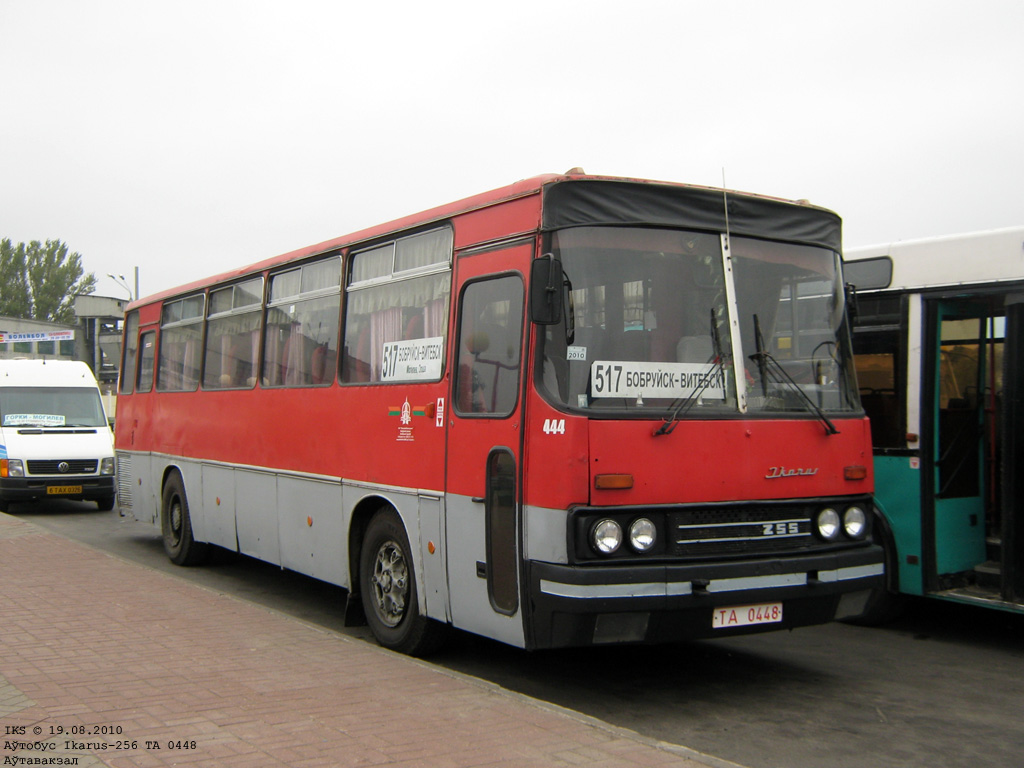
<point>51,407</point>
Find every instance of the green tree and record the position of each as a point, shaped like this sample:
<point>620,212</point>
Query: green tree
<point>15,300</point>
<point>41,280</point>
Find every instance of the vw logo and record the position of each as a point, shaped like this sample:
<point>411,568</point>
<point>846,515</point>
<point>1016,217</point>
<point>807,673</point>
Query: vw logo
<point>63,467</point>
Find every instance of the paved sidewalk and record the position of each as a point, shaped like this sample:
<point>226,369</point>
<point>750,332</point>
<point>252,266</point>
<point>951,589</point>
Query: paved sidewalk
<point>112,664</point>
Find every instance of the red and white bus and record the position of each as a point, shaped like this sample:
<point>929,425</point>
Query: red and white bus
<point>574,410</point>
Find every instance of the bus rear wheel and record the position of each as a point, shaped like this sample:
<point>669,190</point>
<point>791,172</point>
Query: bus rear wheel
<point>387,586</point>
<point>176,525</point>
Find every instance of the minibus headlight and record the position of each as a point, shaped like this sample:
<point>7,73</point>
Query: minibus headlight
<point>828,524</point>
<point>606,536</point>
<point>107,466</point>
<point>12,468</point>
<point>855,522</point>
<point>642,534</point>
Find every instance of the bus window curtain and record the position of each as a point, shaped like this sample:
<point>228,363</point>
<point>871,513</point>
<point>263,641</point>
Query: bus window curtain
<point>385,326</point>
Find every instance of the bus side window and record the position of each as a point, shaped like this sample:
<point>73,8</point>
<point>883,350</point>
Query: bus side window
<point>233,335</point>
<point>490,345</point>
<point>131,353</point>
<point>147,343</point>
<point>879,388</point>
<point>181,338</point>
<point>397,291</point>
<point>301,334</point>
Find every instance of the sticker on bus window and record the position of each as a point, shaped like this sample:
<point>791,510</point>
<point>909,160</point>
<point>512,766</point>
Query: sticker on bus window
<point>412,360</point>
<point>576,353</point>
<point>620,378</point>
<point>34,419</point>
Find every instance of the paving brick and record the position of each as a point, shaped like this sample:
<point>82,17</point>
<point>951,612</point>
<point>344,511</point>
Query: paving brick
<point>88,639</point>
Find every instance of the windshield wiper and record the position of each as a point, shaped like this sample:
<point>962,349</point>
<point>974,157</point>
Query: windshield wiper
<point>683,404</point>
<point>770,367</point>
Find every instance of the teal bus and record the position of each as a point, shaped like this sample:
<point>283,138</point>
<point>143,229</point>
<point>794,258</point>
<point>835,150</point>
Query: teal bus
<point>939,346</point>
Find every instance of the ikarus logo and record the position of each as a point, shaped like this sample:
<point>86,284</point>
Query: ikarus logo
<point>774,473</point>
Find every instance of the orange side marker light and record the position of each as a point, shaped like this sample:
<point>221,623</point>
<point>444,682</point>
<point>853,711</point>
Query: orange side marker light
<point>613,482</point>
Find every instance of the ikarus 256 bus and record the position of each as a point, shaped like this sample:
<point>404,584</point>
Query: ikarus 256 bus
<point>570,411</point>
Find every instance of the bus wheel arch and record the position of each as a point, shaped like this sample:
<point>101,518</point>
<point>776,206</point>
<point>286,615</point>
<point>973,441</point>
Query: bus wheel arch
<point>386,583</point>
<point>176,522</point>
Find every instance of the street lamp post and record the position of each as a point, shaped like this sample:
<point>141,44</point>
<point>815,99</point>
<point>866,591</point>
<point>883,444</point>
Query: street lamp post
<point>120,280</point>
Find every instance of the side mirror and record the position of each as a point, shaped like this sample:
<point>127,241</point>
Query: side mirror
<point>546,290</point>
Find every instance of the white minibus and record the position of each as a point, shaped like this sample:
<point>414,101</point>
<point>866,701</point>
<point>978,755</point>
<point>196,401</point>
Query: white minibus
<point>55,441</point>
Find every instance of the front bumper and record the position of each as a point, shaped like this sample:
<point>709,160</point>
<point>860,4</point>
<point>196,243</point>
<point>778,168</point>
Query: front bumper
<point>32,488</point>
<point>576,606</point>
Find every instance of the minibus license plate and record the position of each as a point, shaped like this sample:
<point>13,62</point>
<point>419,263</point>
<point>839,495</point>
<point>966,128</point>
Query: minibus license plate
<point>745,615</point>
<point>62,490</point>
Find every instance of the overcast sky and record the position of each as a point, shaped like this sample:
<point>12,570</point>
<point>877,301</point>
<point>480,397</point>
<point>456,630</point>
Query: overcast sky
<point>189,137</point>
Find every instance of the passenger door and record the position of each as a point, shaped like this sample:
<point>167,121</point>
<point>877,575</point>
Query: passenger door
<point>955,481</point>
<point>485,420</point>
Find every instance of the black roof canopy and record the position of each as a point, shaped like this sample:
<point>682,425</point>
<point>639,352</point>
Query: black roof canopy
<point>597,202</point>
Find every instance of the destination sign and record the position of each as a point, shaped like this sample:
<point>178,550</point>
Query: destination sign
<point>618,378</point>
<point>413,360</point>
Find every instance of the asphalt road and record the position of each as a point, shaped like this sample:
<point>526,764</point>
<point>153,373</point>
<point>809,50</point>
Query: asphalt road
<point>943,686</point>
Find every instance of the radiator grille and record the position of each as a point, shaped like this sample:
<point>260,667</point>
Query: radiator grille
<point>52,466</point>
<point>727,530</point>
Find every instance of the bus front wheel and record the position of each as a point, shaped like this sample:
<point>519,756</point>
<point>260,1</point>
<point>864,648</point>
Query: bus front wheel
<point>176,525</point>
<point>387,586</point>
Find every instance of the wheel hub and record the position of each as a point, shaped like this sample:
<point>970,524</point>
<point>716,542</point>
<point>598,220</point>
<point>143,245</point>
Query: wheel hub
<point>390,584</point>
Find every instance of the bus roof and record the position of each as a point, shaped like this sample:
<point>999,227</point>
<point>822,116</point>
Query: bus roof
<point>522,188</point>
<point>995,255</point>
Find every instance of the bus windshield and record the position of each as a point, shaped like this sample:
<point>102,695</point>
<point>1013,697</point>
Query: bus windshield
<point>51,407</point>
<point>648,325</point>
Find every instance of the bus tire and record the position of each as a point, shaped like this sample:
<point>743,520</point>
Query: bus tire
<point>387,586</point>
<point>176,525</point>
<point>106,503</point>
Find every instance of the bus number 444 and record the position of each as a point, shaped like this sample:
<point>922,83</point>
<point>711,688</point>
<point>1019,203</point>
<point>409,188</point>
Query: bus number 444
<point>554,426</point>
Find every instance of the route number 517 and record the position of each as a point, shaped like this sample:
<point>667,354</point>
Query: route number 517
<point>607,378</point>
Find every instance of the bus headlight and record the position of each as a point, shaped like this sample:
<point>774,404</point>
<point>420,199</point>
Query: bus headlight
<point>12,468</point>
<point>642,534</point>
<point>828,524</point>
<point>855,522</point>
<point>606,536</point>
<point>107,466</point>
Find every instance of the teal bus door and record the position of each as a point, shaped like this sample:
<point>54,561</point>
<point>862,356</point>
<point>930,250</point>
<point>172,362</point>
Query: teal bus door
<point>954,397</point>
